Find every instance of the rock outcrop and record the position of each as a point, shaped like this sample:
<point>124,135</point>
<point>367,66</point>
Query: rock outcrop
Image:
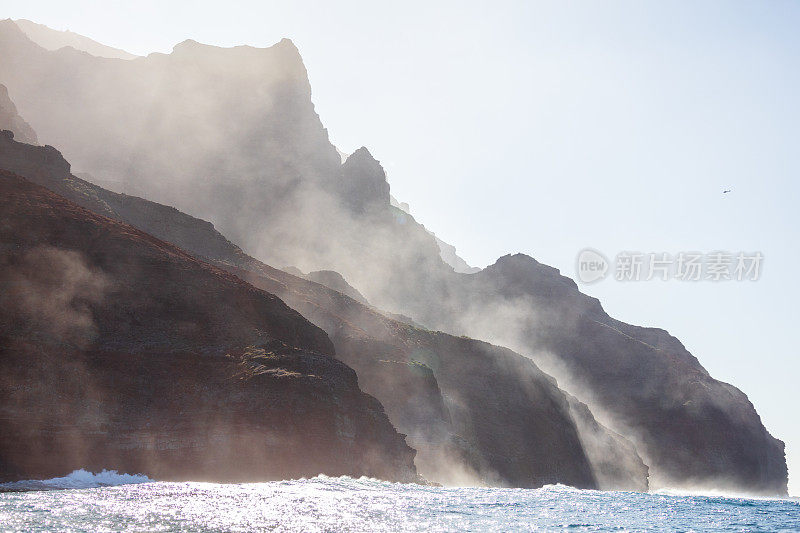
<point>363,185</point>
<point>121,351</point>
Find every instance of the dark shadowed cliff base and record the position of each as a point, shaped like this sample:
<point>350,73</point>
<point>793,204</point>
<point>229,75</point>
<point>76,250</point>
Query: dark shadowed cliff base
<point>121,351</point>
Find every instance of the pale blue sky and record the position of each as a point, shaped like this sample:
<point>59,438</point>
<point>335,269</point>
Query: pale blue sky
<point>547,127</point>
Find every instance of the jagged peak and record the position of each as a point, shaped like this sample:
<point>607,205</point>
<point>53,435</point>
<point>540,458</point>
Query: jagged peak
<point>520,264</point>
<point>361,154</point>
<point>285,46</point>
<point>287,43</point>
<point>517,259</point>
<point>189,44</point>
<point>363,181</point>
<point>363,159</point>
<point>282,57</point>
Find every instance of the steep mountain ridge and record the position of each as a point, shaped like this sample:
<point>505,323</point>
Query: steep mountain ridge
<point>165,129</point>
<point>514,430</point>
<point>253,158</point>
<point>474,412</point>
<point>121,351</point>
<point>51,39</point>
<point>47,167</point>
<point>690,428</point>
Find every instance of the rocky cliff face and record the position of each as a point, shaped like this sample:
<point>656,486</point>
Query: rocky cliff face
<point>477,413</point>
<point>256,131</point>
<point>615,462</point>
<point>690,428</point>
<point>121,351</point>
<point>252,157</point>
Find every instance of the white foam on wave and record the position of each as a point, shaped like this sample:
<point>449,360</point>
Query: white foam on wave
<point>558,487</point>
<point>78,479</point>
<point>712,493</point>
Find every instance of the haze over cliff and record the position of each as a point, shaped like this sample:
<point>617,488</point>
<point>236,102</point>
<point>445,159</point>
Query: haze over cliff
<point>518,429</point>
<point>10,119</point>
<point>121,351</point>
<point>251,156</point>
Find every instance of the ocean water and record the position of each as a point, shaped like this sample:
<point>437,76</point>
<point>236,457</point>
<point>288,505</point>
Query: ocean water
<point>113,502</point>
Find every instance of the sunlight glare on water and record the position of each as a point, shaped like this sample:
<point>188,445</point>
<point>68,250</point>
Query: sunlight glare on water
<point>345,504</point>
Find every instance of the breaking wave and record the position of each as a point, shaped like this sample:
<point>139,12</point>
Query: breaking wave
<point>78,479</point>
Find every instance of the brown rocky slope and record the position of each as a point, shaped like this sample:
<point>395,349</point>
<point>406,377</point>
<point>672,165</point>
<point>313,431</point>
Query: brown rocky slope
<point>121,351</point>
<point>475,412</point>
